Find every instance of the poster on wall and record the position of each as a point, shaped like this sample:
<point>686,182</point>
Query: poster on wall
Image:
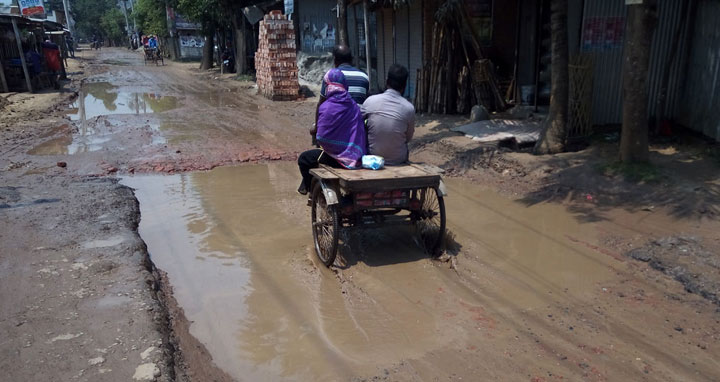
<point>31,7</point>
<point>190,41</point>
<point>603,33</point>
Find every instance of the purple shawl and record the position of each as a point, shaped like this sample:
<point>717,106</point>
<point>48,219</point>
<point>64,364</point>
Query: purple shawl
<point>340,127</point>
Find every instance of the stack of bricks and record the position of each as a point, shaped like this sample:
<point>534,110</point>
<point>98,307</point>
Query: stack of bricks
<point>275,59</point>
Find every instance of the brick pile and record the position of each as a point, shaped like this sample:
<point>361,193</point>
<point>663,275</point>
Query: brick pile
<point>275,59</point>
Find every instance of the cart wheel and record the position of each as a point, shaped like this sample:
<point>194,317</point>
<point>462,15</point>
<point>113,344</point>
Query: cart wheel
<point>431,222</point>
<point>326,227</point>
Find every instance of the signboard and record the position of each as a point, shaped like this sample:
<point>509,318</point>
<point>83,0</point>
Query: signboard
<point>31,7</point>
<point>603,33</point>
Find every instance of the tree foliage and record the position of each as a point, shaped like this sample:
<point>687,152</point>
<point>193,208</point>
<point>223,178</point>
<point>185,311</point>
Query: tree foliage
<point>208,13</point>
<point>99,18</point>
<point>112,24</point>
<point>151,17</point>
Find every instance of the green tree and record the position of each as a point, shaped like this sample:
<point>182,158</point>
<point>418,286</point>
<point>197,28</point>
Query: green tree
<point>151,17</point>
<point>88,15</point>
<point>112,25</point>
<point>209,14</point>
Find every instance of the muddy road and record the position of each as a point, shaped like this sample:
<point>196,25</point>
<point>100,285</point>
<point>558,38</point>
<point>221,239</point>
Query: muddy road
<point>530,295</point>
<point>227,285</point>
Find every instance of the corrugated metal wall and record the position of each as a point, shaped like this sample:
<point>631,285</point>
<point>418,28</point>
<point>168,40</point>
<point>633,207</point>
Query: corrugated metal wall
<point>669,25</point>
<point>402,44</point>
<point>607,91</point>
<point>402,40</point>
<point>416,46</point>
<point>700,103</point>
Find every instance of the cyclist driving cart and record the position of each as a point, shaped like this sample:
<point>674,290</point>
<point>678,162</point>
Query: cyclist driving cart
<point>151,48</point>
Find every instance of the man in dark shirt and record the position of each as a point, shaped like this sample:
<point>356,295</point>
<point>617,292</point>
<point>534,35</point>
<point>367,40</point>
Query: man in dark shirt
<point>357,81</point>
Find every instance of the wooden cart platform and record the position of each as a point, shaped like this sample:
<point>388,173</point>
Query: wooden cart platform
<point>387,178</point>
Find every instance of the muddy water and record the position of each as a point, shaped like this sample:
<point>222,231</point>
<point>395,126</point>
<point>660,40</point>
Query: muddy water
<point>103,98</point>
<point>236,246</point>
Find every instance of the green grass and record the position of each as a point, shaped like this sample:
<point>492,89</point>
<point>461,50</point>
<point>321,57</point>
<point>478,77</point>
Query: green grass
<point>245,77</point>
<point>640,172</point>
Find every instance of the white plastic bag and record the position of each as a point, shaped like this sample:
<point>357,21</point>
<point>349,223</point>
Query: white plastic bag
<point>373,162</point>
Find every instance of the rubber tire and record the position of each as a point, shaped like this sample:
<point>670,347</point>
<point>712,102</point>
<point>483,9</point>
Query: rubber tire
<point>332,210</point>
<point>436,249</point>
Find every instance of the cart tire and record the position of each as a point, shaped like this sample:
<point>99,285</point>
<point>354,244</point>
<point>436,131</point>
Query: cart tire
<point>325,226</point>
<point>431,225</point>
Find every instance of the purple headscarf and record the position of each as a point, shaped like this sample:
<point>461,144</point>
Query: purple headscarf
<point>340,127</point>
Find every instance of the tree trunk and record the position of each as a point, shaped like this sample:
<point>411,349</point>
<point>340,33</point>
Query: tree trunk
<point>554,134</point>
<point>240,42</point>
<point>207,57</point>
<point>342,22</point>
<point>641,22</point>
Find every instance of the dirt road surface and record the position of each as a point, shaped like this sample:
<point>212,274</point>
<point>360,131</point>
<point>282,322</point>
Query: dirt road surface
<point>211,275</point>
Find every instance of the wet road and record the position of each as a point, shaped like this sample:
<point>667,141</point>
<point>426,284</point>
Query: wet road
<point>170,118</point>
<point>532,293</point>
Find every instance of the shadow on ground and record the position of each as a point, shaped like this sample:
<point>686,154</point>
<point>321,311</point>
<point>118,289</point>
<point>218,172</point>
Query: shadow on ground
<point>682,180</point>
<point>387,246</point>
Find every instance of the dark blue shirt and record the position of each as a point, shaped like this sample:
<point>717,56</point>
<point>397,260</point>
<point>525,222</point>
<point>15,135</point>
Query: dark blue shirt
<point>357,81</point>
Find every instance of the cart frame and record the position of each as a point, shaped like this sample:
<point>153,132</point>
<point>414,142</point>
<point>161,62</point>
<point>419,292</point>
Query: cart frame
<point>344,199</point>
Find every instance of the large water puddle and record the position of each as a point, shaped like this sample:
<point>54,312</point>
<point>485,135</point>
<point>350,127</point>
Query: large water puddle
<point>103,98</point>
<point>235,243</point>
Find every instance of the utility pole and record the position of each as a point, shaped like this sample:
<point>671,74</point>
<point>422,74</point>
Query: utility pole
<point>127,24</point>
<point>70,25</point>
<point>132,9</point>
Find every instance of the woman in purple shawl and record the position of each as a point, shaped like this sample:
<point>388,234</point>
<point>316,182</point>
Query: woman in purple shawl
<point>340,131</point>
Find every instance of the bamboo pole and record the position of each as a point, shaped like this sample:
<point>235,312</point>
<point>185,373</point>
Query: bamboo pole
<point>367,41</point>
<point>22,55</point>
<point>2,74</point>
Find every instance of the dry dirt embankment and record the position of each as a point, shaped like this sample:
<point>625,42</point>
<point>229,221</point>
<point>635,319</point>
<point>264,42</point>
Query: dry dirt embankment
<point>79,297</point>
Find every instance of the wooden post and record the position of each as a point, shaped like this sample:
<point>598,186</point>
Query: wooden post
<point>367,42</point>
<point>22,55</point>
<point>342,31</point>
<point>2,75</point>
<point>63,72</point>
